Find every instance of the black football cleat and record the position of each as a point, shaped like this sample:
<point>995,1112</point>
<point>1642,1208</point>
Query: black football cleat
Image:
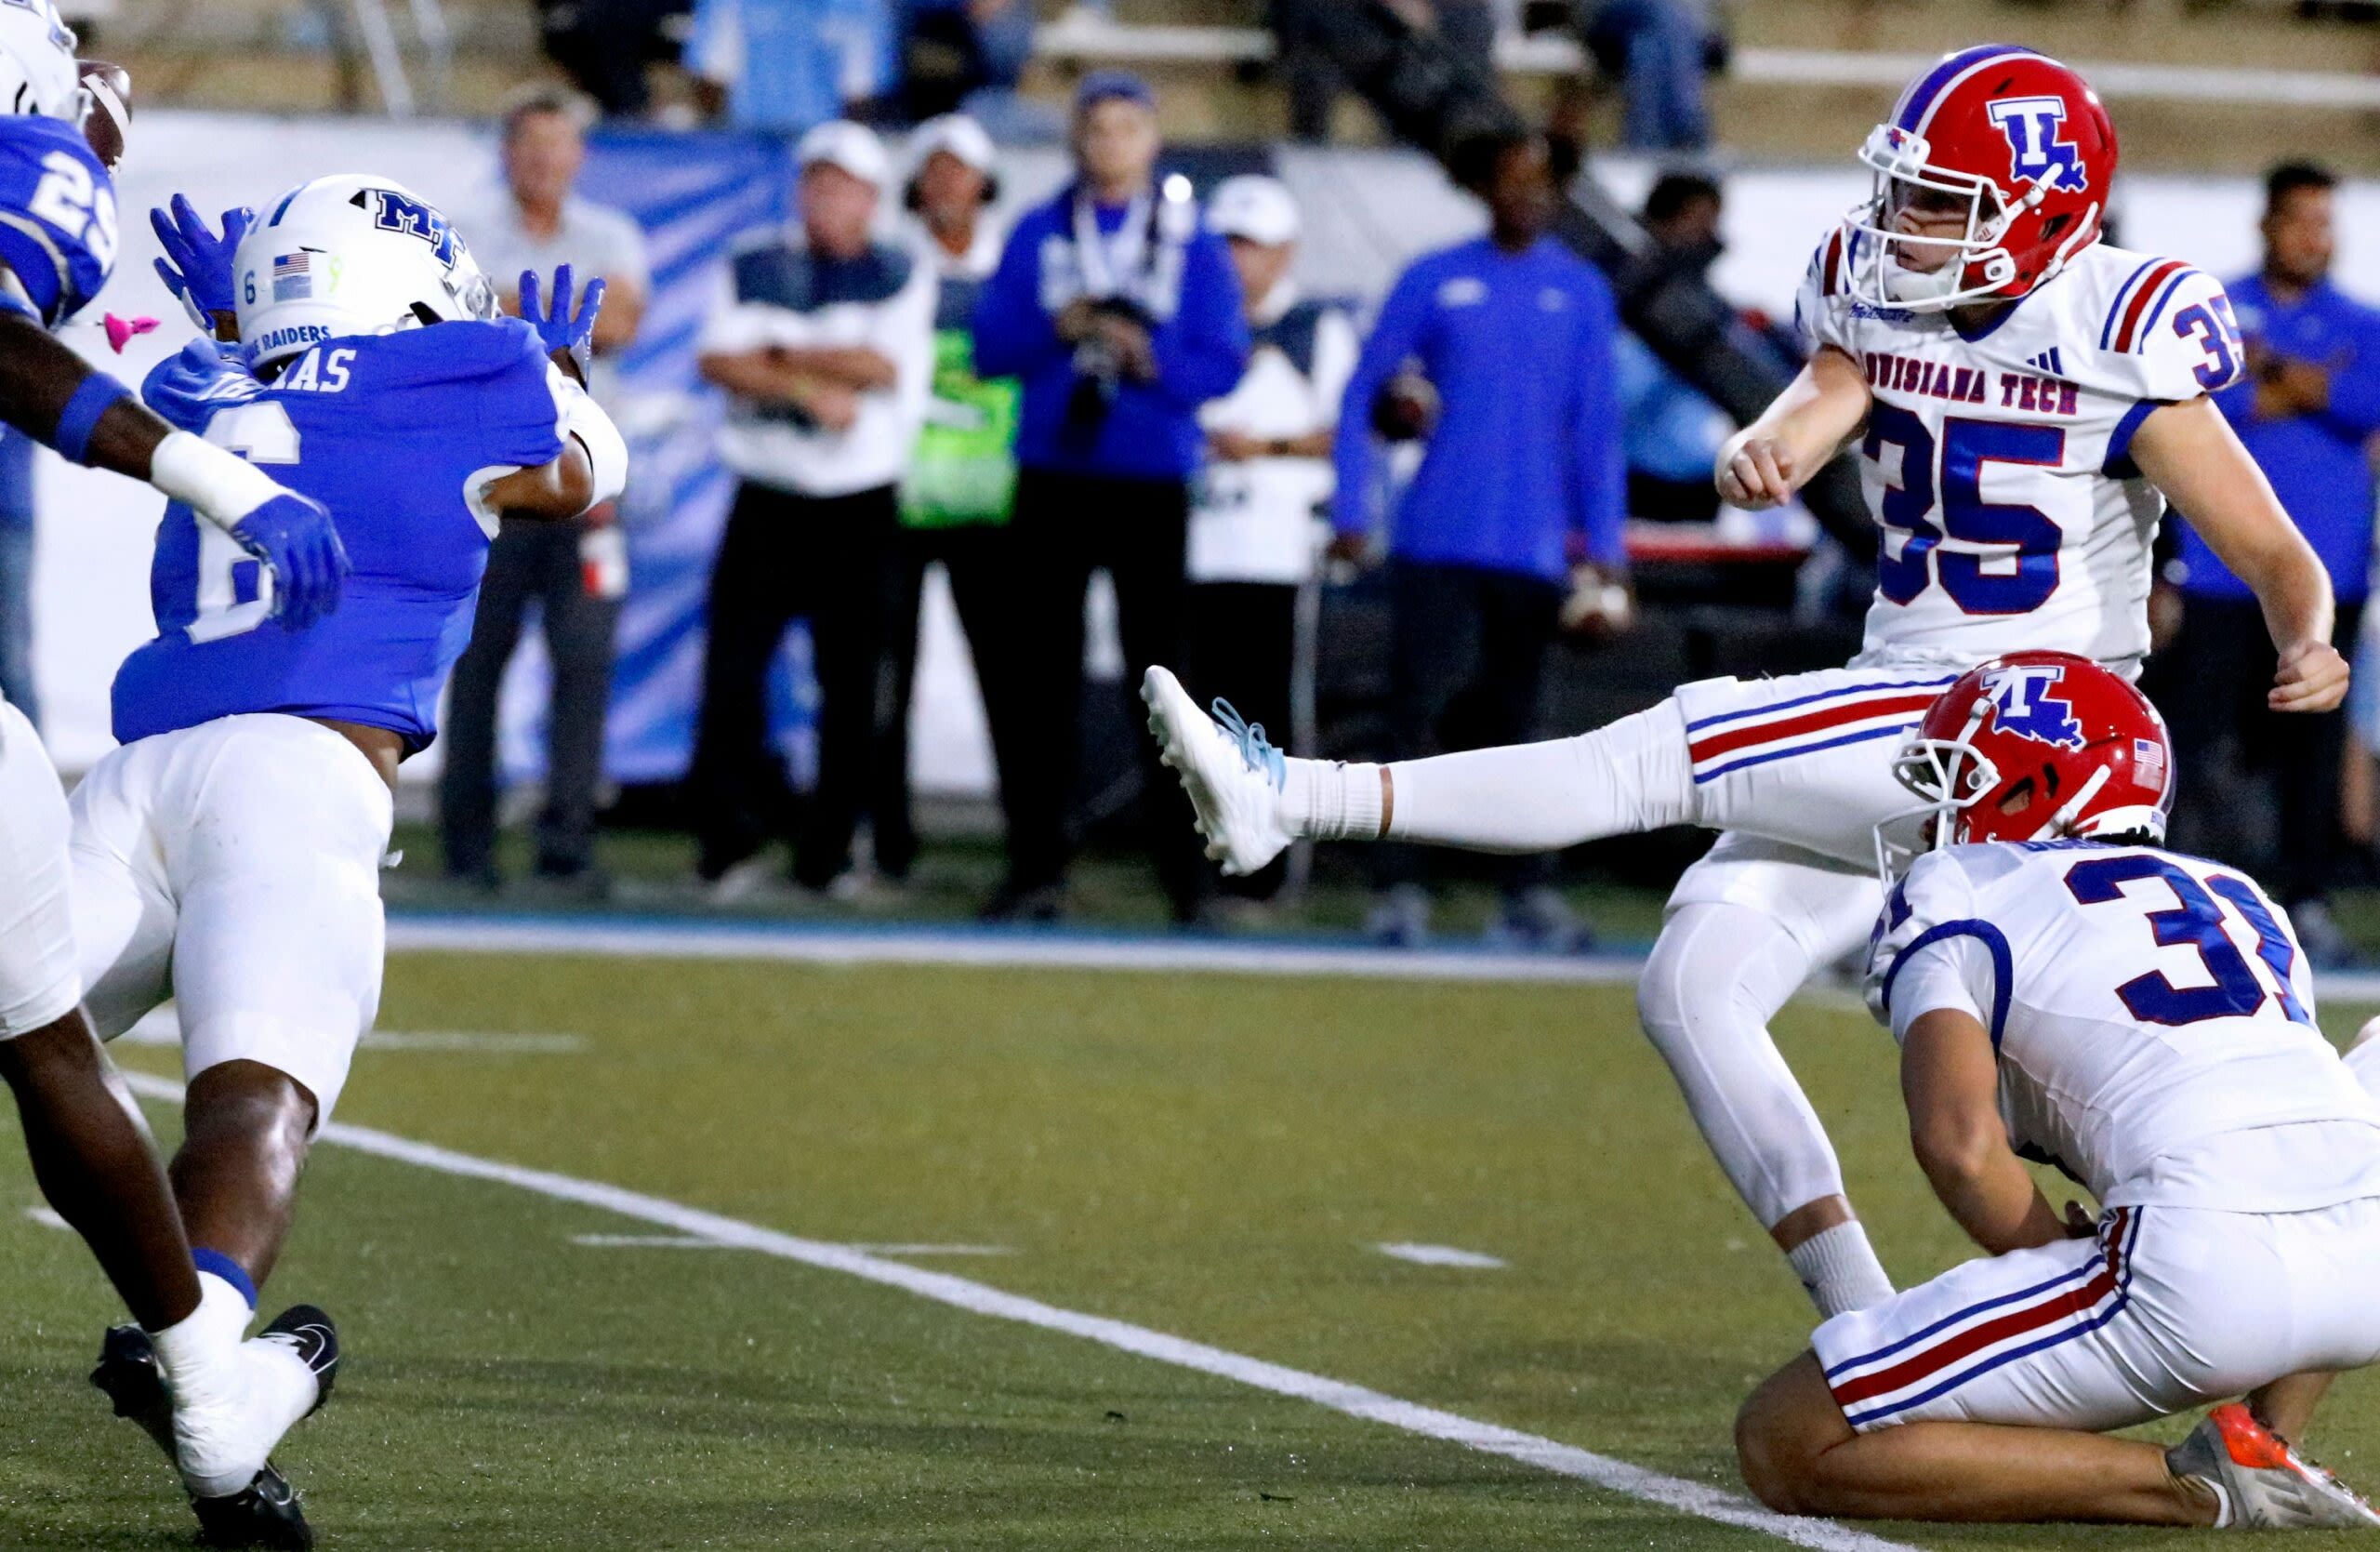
<point>264,1514</point>
<point>128,1375</point>
<point>309,1334</point>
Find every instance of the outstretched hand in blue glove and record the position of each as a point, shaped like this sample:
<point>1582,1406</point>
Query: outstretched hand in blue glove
<point>572,334</point>
<point>197,266</point>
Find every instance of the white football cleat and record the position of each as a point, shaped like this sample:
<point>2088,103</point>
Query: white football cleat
<point>1233,775</point>
<point>2262,1482</point>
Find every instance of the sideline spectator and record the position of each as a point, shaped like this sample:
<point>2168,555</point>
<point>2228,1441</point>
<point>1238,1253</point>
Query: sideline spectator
<point>2309,403</point>
<point>1674,431</point>
<point>606,47</point>
<point>1513,337</point>
<point>784,66</point>
<point>575,573</point>
<point>17,574</point>
<point>961,481</point>
<point>1256,527</point>
<point>964,54</point>
<point>1309,70</point>
<point>825,344</point>
<point>1121,315</point>
<point>1658,50</point>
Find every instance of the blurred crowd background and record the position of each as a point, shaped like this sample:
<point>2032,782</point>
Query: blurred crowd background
<point>976,355</point>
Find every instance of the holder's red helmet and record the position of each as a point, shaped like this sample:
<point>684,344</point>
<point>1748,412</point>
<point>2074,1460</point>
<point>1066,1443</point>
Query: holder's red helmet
<point>2038,746</point>
<point>2017,139</point>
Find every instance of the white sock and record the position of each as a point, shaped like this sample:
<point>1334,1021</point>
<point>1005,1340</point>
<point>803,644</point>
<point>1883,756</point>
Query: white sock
<point>1622,779</point>
<point>1840,1270</point>
<point>199,1352</point>
<point>1330,799</point>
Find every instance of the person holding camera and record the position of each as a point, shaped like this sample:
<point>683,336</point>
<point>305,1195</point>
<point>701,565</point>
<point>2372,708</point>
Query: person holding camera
<point>1119,313</point>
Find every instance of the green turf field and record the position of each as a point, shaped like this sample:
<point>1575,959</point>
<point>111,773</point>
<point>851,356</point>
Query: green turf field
<point>1208,1157</point>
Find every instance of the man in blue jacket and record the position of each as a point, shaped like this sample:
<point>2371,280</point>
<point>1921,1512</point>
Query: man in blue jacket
<point>1119,313</point>
<point>1511,335</point>
<point>2306,409</point>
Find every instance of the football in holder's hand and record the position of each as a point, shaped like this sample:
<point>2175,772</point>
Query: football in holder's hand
<point>1406,409</point>
<point>107,118</point>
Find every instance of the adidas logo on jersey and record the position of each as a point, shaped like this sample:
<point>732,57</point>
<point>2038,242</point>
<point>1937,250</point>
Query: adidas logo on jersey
<point>2047,364</point>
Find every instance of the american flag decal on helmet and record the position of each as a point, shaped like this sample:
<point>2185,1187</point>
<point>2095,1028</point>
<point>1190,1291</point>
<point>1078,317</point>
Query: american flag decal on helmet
<point>292,277</point>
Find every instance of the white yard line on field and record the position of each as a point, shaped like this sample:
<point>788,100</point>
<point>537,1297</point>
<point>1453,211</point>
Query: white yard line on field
<point>1616,1475</point>
<point>696,1242</point>
<point>634,938</point>
<point>1439,1255</point>
<point>161,1026</point>
<point>48,1218</point>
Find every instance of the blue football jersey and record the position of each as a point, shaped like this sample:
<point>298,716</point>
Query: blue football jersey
<point>58,217</point>
<point>395,433</point>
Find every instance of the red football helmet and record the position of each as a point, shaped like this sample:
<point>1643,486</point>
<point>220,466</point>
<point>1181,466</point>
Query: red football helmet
<point>2036,746</point>
<point>2013,140</point>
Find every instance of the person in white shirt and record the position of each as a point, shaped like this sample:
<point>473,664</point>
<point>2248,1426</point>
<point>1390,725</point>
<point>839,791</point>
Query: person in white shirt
<point>824,341</point>
<point>575,572</point>
<point>1255,529</point>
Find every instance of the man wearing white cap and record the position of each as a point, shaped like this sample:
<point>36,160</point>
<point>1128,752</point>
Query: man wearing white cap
<point>961,481</point>
<point>1254,528</point>
<point>824,341</point>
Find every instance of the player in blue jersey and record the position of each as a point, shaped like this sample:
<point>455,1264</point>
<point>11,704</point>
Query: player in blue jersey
<point>62,128</point>
<point>227,855</point>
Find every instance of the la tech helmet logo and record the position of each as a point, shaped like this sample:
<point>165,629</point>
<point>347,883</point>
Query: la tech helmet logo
<point>2038,150</point>
<point>2026,706</point>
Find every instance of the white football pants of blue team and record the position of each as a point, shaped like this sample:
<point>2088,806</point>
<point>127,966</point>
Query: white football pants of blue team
<point>236,867</point>
<point>40,981</point>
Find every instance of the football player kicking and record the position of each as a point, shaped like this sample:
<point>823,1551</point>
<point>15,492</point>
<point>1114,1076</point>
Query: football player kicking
<point>60,131</point>
<point>2065,991</point>
<point>227,855</point>
<point>2020,393</point>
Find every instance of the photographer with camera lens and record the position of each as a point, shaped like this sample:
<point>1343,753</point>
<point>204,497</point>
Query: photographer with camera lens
<point>1119,313</point>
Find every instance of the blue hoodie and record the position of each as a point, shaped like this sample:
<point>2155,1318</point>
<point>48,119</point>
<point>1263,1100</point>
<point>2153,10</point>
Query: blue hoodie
<point>1527,454</point>
<point>2317,463</point>
<point>1151,430</point>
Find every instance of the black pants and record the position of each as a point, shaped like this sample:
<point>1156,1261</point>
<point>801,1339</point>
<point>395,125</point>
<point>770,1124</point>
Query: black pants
<point>530,562</point>
<point>2211,685</point>
<point>1243,647</point>
<point>1467,655</point>
<point>828,558</point>
<point>1066,526</point>
<point>979,560</point>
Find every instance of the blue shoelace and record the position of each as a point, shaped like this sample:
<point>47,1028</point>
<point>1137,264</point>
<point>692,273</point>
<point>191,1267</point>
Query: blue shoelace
<point>1254,746</point>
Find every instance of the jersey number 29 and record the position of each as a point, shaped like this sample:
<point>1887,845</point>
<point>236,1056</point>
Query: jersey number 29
<point>234,588</point>
<point>67,199</point>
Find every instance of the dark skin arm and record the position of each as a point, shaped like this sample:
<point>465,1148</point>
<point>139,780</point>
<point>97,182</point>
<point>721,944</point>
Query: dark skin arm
<point>38,374</point>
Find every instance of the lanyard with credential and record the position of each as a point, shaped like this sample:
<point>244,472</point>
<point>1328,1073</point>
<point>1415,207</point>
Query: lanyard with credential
<point>1106,260</point>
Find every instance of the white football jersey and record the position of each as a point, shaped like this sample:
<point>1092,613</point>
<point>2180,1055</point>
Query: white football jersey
<point>2153,1016</point>
<point>1998,465</point>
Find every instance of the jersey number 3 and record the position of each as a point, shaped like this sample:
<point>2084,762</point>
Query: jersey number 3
<point>234,588</point>
<point>1992,557</point>
<point>2198,922</point>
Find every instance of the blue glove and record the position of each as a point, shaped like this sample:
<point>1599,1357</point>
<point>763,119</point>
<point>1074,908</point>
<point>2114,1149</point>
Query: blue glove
<point>292,535</point>
<point>197,266</point>
<point>575,336</point>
